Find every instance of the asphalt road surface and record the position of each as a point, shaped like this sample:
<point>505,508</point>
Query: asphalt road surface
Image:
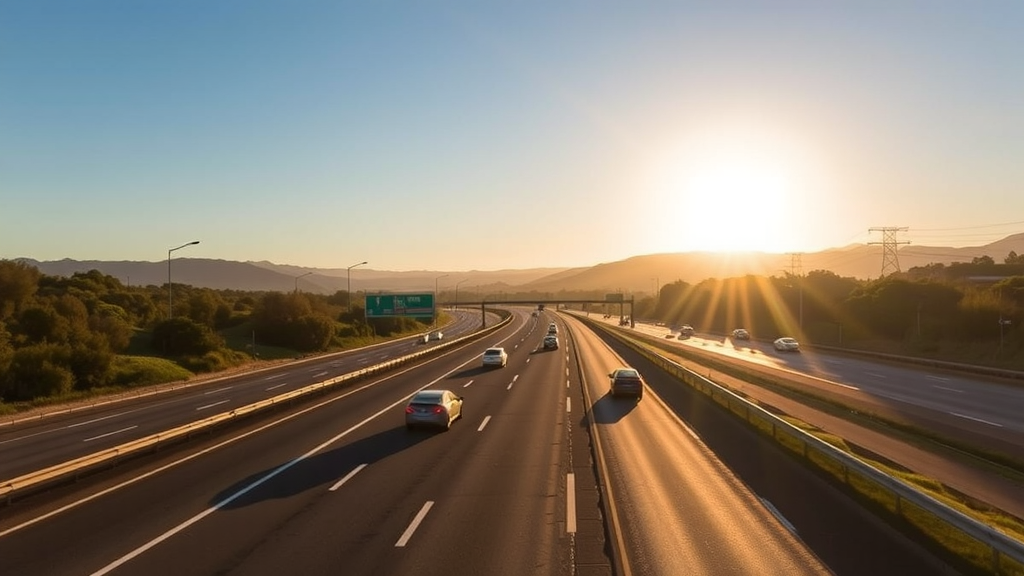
<point>337,485</point>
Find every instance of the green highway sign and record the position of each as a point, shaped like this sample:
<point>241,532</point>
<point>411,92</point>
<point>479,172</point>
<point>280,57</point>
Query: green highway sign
<point>399,305</point>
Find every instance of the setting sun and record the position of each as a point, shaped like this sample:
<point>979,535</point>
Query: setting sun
<point>735,207</point>
<point>730,190</point>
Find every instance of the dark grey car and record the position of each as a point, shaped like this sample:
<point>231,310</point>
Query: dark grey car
<point>627,382</point>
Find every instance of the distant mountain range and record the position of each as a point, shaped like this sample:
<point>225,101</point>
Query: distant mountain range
<point>639,274</point>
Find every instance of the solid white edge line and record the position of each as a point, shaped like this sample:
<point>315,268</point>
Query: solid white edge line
<point>347,477</point>
<point>93,421</point>
<point>570,503</point>
<point>778,515</point>
<point>484,423</point>
<point>414,524</point>
<point>966,417</point>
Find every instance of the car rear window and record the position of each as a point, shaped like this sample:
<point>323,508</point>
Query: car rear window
<point>492,353</point>
<point>627,374</point>
<point>427,398</point>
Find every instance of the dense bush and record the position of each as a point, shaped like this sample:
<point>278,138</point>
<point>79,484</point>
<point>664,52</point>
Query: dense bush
<point>184,337</point>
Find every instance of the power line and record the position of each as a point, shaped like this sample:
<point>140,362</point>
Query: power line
<point>969,227</point>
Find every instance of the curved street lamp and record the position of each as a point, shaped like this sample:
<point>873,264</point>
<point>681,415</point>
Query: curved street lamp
<point>435,296</point>
<point>348,293</point>
<point>457,292</point>
<point>170,287</point>
<point>297,280</point>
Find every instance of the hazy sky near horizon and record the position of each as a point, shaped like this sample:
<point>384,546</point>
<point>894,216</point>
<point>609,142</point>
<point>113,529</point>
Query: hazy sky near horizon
<point>448,135</point>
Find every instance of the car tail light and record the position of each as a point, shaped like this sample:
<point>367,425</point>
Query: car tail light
<point>409,409</point>
<point>438,409</point>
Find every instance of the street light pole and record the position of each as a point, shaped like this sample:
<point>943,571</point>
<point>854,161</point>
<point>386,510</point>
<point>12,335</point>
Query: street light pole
<point>297,280</point>
<point>457,292</point>
<point>348,293</point>
<point>435,296</point>
<point>170,287</point>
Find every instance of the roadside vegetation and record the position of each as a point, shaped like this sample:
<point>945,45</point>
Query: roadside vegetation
<point>965,312</point>
<point>64,339</point>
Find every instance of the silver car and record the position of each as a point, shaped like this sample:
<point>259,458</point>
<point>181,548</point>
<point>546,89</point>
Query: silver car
<point>433,408</point>
<point>786,344</point>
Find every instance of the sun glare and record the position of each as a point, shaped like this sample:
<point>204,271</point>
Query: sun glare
<point>727,197</point>
<point>734,207</point>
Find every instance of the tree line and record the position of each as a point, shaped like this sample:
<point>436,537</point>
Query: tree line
<point>62,335</point>
<point>961,303</point>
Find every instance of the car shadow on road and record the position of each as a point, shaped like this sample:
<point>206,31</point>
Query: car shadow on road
<point>608,409</point>
<point>470,372</point>
<point>324,468</point>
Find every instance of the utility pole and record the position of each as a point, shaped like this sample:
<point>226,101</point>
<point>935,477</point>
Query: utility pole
<point>890,245</point>
<point>796,269</point>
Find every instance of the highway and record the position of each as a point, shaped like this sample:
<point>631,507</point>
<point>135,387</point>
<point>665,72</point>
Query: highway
<point>971,408</point>
<point>337,485</point>
<point>28,445</point>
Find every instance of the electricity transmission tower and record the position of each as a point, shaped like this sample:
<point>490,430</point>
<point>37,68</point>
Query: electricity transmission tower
<point>795,266</point>
<point>890,245</point>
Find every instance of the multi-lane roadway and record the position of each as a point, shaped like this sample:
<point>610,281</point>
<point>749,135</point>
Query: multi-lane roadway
<point>32,443</point>
<point>965,406</point>
<point>544,474</point>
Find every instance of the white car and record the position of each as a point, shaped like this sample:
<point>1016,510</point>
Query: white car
<point>495,356</point>
<point>787,344</point>
<point>436,335</point>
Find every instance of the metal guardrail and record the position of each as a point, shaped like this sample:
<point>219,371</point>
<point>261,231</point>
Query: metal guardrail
<point>73,468</point>
<point>1002,553</point>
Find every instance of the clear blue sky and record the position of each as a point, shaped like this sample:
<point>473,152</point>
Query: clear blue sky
<point>483,135</point>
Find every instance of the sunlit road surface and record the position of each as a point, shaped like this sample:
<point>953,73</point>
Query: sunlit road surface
<point>963,402</point>
<point>659,475</point>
